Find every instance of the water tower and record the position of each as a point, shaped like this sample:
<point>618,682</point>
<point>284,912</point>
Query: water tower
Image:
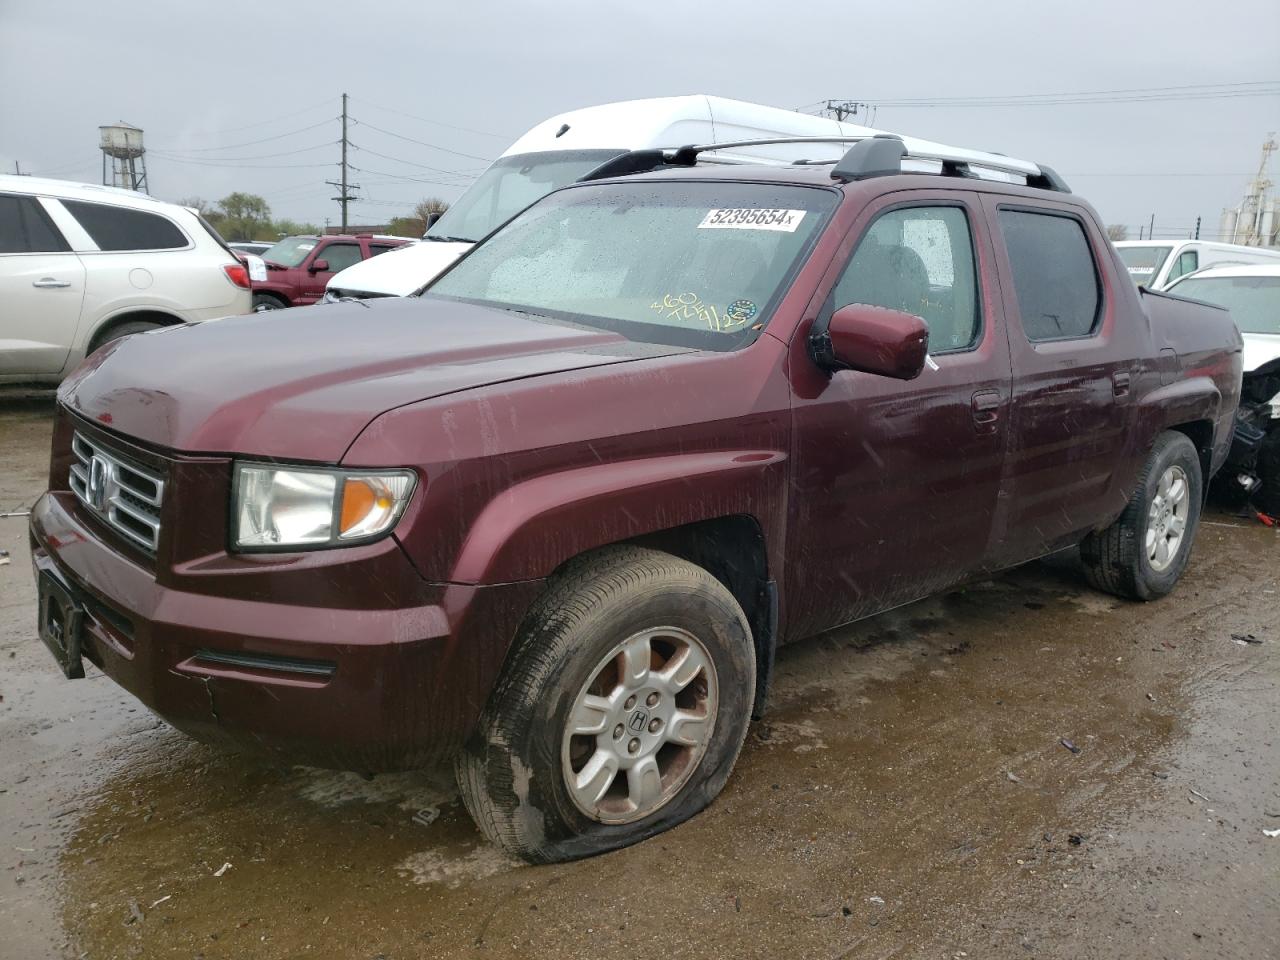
<point>122,144</point>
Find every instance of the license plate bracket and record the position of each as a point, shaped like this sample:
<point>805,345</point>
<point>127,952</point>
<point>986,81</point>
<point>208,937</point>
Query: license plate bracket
<point>61,625</point>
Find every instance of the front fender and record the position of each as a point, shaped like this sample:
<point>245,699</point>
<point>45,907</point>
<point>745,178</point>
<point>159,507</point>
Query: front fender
<point>534,526</point>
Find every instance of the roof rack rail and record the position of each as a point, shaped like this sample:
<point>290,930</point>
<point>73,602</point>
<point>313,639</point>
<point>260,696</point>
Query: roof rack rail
<point>871,155</point>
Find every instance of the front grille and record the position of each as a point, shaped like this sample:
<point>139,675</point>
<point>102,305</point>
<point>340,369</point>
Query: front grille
<point>126,496</point>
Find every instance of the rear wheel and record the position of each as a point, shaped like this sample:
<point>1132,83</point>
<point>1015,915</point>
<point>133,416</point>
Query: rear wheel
<point>1144,552</point>
<point>128,328</point>
<point>620,713</point>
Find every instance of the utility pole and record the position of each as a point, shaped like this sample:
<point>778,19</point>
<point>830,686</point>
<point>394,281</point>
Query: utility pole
<point>345,196</point>
<point>1197,236</point>
<point>1151,229</point>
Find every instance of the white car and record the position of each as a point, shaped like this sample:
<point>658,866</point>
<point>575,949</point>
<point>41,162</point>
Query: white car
<point>1155,264</point>
<point>81,265</point>
<point>1252,294</point>
<point>581,143</point>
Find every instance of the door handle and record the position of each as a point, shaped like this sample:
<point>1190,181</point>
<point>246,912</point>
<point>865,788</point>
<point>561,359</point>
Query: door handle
<point>46,283</point>
<point>986,409</point>
<point>1120,383</point>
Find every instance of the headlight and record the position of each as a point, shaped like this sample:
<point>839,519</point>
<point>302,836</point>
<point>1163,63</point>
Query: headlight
<point>299,507</point>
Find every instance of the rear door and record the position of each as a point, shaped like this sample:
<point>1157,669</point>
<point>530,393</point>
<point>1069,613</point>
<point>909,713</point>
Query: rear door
<point>336,257</point>
<point>895,483</point>
<point>41,290</point>
<point>1074,366</point>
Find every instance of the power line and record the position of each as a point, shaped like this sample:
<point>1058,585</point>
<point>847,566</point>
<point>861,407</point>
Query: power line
<point>440,123</point>
<point>409,163</point>
<point>423,143</point>
<point>247,143</point>
<point>287,116</point>
<point>242,166</point>
<point>260,156</point>
<point>1190,91</point>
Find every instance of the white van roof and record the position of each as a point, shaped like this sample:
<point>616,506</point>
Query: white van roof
<point>677,121</point>
<point>1259,252</point>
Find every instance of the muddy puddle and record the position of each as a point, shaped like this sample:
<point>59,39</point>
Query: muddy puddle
<point>1020,768</point>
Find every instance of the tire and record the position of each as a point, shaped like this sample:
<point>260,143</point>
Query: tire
<point>128,328</point>
<point>514,774</point>
<point>1120,559</point>
<point>263,302</point>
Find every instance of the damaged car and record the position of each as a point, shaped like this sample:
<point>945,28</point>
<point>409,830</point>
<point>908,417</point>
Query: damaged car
<point>553,516</point>
<point>1252,294</point>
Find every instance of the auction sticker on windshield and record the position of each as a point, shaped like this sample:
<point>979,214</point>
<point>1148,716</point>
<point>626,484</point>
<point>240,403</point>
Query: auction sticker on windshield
<point>740,218</point>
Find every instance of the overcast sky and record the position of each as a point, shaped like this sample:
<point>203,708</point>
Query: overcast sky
<point>201,79</point>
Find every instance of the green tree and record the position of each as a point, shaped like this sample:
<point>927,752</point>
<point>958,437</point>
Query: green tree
<point>290,228</point>
<point>415,225</point>
<point>245,217</point>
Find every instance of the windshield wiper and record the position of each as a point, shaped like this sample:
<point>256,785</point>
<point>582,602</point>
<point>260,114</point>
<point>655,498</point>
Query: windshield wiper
<point>445,239</point>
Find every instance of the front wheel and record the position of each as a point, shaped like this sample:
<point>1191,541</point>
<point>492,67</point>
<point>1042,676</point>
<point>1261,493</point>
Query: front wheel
<point>620,712</point>
<point>263,302</point>
<point>1142,554</point>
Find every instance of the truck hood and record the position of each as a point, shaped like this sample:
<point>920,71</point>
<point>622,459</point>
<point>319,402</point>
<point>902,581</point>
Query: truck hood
<point>1259,349</point>
<point>398,273</point>
<point>301,384</point>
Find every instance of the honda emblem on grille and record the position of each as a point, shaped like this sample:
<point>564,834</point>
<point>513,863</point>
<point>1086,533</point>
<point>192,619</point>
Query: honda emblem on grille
<point>96,484</point>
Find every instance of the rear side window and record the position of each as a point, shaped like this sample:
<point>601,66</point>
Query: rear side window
<point>1054,275</point>
<point>121,228</point>
<point>26,228</point>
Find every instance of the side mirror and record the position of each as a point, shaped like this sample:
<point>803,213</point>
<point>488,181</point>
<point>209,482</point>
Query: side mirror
<point>320,266</point>
<point>888,343</point>
<point>432,218</point>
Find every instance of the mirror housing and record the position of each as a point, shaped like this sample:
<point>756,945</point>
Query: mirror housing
<point>431,219</point>
<point>887,343</point>
<point>319,266</point>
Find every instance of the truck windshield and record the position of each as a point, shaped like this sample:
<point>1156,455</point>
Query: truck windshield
<point>1143,262</point>
<point>1254,302</point>
<point>510,185</point>
<point>290,251</point>
<point>687,263</point>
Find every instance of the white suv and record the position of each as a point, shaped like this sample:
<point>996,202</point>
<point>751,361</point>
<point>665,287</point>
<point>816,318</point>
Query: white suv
<point>81,265</point>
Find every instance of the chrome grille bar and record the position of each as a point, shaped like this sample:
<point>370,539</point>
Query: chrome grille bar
<point>125,495</point>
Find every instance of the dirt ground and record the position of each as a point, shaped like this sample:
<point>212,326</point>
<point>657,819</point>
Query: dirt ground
<point>909,795</point>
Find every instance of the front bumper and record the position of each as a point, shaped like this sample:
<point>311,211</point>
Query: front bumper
<point>385,687</point>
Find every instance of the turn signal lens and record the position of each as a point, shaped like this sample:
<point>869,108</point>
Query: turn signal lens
<point>368,503</point>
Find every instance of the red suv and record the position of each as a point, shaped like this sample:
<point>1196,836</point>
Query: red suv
<point>299,267</point>
<point>554,515</point>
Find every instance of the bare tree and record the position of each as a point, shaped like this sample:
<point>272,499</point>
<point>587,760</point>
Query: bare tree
<point>1117,231</point>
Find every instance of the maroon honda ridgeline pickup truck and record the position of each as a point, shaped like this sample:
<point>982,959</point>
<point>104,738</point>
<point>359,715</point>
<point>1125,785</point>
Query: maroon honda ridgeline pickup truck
<point>554,515</point>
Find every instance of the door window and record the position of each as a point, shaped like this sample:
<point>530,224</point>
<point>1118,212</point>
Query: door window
<point>340,255</point>
<point>123,228</point>
<point>919,260</point>
<point>26,228</point>
<point>1054,275</point>
<point>1188,262</point>
<point>377,248</point>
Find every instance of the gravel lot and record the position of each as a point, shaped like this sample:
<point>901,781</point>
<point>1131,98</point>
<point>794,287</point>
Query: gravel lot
<point>907,796</point>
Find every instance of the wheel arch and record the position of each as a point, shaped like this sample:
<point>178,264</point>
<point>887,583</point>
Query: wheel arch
<point>1200,433</point>
<point>130,315</point>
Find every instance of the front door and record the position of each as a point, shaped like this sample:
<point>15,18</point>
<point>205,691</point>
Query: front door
<point>895,483</point>
<point>1075,365</point>
<point>41,290</point>
<point>335,257</point>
